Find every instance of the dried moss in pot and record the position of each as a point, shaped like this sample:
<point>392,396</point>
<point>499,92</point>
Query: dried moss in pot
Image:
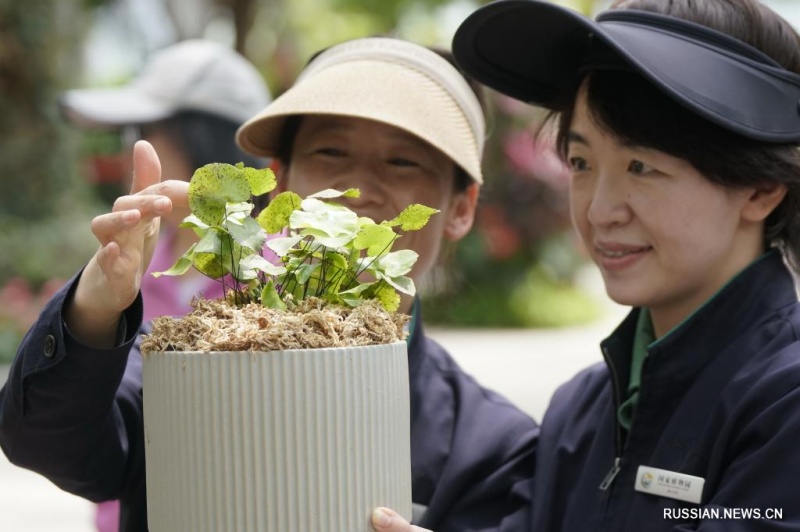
<point>215,325</point>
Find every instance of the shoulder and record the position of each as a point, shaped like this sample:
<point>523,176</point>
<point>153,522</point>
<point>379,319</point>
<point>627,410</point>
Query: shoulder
<point>771,354</point>
<point>580,400</point>
<point>443,369</point>
<point>586,383</point>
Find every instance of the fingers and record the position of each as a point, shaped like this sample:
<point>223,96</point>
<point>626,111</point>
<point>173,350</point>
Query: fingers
<point>130,214</point>
<point>176,191</point>
<point>386,520</point>
<point>117,271</point>
<point>147,177</point>
<point>146,167</point>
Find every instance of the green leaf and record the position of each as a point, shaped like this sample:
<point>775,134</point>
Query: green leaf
<point>236,213</point>
<point>261,181</point>
<point>336,262</point>
<point>275,217</point>
<point>181,266</point>
<point>270,297</point>
<point>249,234</point>
<point>282,245</point>
<point>396,263</point>
<point>356,295</point>
<point>333,225</point>
<point>320,238</point>
<point>210,265</point>
<point>401,283</point>
<point>304,272</point>
<point>193,222</point>
<point>211,242</point>
<point>413,217</point>
<point>216,254</point>
<point>212,187</point>
<point>388,297</point>
<point>242,208</point>
<point>352,193</point>
<point>252,264</point>
<point>334,272</point>
<point>376,239</point>
<point>330,193</point>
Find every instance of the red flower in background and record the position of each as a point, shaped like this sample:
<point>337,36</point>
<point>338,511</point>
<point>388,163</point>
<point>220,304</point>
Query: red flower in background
<point>20,305</point>
<point>536,157</point>
<point>501,239</point>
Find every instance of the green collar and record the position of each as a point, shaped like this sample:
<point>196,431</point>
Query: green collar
<point>643,337</point>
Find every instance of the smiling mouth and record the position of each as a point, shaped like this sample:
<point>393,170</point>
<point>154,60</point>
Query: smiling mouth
<point>621,251</point>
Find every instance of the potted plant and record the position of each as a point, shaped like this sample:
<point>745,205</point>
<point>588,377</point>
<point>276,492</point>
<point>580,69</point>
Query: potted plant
<point>283,407</point>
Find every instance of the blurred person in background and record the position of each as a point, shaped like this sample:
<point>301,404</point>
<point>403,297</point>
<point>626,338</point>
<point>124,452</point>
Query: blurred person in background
<point>188,101</point>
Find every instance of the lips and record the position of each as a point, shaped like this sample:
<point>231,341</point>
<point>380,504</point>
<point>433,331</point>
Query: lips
<point>614,250</point>
<point>617,256</point>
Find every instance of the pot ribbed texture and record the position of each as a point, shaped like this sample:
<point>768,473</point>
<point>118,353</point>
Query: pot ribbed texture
<point>285,441</point>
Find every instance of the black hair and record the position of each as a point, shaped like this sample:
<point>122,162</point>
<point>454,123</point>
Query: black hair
<point>205,138</point>
<point>633,110</point>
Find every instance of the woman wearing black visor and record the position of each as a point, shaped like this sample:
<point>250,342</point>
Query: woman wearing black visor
<point>680,121</point>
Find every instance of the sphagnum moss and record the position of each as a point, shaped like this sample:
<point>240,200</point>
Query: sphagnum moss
<point>214,325</point>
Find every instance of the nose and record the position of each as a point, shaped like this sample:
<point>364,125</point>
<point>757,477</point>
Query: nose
<point>608,204</point>
<point>369,179</point>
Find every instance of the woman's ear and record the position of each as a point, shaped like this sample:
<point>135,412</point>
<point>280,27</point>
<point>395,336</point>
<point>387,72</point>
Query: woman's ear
<point>461,213</point>
<point>762,200</point>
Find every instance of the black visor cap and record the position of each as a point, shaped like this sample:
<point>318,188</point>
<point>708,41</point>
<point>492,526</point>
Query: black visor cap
<point>534,51</point>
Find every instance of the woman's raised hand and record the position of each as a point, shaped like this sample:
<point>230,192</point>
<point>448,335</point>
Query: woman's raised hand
<point>127,235</point>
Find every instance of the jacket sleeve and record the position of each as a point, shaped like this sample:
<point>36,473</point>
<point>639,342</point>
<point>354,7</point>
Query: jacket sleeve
<point>472,451</point>
<point>73,413</point>
<point>758,474</point>
<point>484,483</point>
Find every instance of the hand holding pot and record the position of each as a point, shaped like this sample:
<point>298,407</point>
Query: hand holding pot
<point>386,520</point>
<point>127,235</point>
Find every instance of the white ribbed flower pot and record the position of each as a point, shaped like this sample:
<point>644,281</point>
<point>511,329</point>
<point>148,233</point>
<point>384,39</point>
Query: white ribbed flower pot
<point>285,441</point>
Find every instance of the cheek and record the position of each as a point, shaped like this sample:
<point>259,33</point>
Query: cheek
<point>678,221</point>
<point>427,246</point>
<point>302,179</point>
<point>427,243</point>
<point>579,202</point>
<point>424,190</point>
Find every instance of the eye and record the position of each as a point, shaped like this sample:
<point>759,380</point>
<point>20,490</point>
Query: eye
<point>403,162</point>
<point>330,152</point>
<point>639,168</point>
<point>578,164</point>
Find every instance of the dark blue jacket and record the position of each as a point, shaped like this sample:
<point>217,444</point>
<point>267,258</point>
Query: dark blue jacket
<point>74,414</point>
<point>719,399</point>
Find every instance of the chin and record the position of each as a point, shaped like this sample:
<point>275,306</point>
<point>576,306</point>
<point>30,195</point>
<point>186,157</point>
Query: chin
<point>625,295</point>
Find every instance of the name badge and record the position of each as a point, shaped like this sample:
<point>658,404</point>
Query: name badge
<point>663,483</point>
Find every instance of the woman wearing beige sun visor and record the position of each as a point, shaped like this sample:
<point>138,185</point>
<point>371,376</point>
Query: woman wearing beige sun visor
<point>393,119</point>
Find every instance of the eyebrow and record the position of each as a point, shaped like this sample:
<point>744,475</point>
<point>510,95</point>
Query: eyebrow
<point>574,137</point>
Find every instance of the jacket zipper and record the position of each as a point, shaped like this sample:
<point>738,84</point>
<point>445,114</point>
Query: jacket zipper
<point>609,478</point>
<point>615,469</point>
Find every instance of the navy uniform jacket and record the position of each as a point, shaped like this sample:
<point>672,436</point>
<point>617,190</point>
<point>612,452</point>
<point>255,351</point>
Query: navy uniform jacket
<point>74,414</point>
<point>719,399</point>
